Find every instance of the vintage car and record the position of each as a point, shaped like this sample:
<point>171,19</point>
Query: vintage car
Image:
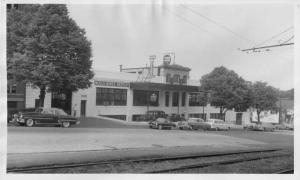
<point>151,116</point>
<point>280,126</point>
<point>218,124</point>
<point>249,126</point>
<point>289,126</point>
<point>264,127</point>
<point>183,125</point>
<point>10,113</point>
<point>162,123</point>
<point>51,116</point>
<point>194,124</point>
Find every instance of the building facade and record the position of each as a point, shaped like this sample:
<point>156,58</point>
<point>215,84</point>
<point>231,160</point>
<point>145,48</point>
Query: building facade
<point>130,93</point>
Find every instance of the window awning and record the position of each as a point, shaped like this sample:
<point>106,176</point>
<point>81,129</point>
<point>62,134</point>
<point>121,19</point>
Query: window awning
<point>166,87</point>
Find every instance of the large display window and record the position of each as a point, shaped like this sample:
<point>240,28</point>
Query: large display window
<point>111,97</point>
<point>145,98</point>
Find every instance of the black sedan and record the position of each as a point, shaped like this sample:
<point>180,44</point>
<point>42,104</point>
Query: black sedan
<point>162,123</point>
<point>51,116</point>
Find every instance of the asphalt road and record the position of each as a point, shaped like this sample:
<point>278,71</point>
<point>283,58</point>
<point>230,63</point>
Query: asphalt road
<point>104,138</point>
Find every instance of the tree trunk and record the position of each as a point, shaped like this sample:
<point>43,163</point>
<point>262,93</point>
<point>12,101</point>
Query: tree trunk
<point>42,96</point>
<point>221,112</point>
<point>258,117</point>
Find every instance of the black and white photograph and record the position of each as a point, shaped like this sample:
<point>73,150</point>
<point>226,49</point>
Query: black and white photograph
<point>150,87</point>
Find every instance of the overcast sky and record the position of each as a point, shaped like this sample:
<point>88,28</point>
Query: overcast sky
<point>202,36</point>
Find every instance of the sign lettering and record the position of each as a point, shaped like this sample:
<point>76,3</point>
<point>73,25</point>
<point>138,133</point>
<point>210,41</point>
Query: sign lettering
<point>115,84</point>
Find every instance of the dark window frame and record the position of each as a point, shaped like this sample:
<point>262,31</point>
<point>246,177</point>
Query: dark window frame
<point>167,98</point>
<point>111,96</point>
<point>175,98</point>
<point>142,98</point>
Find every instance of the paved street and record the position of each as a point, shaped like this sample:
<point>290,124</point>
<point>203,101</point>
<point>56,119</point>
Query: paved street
<point>39,145</point>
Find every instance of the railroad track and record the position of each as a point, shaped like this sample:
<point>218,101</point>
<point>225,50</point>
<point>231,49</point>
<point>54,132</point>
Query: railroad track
<point>156,159</point>
<point>224,162</point>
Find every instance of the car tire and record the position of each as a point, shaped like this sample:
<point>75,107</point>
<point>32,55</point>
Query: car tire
<point>160,127</point>
<point>65,124</point>
<point>29,122</point>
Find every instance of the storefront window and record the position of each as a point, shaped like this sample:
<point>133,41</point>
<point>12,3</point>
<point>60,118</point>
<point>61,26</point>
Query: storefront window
<point>145,98</point>
<point>175,98</point>
<point>12,104</point>
<point>111,97</point>
<point>167,99</point>
<point>197,99</point>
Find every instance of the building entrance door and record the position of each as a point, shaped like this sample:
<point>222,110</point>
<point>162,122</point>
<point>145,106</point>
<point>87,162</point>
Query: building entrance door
<point>82,108</point>
<point>239,118</point>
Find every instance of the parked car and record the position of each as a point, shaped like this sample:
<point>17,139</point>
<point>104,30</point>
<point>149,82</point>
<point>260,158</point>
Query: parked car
<point>218,124</point>
<point>289,126</point>
<point>11,113</point>
<point>249,126</point>
<point>280,126</point>
<point>182,125</point>
<point>162,123</point>
<point>152,115</point>
<point>52,116</point>
<point>264,127</point>
<point>194,124</point>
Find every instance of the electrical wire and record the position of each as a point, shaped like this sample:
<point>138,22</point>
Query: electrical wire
<point>187,21</point>
<point>287,40</point>
<point>276,35</point>
<point>216,23</point>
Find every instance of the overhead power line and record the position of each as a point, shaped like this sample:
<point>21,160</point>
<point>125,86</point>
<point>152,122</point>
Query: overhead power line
<point>266,47</point>
<point>216,23</point>
<point>276,35</point>
<point>288,40</point>
<point>190,22</point>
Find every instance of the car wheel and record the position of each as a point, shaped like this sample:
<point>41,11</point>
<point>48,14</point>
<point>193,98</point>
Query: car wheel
<point>29,122</point>
<point>160,127</point>
<point>66,124</point>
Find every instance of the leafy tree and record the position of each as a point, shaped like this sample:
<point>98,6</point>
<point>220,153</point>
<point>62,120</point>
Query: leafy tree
<point>46,48</point>
<point>228,90</point>
<point>264,97</point>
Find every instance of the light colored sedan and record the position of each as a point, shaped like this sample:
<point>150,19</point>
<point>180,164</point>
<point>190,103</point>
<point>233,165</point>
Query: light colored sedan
<point>264,127</point>
<point>218,124</point>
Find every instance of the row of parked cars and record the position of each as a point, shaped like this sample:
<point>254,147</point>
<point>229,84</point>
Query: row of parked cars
<point>190,124</point>
<point>268,126</point>
<point>159,120</point>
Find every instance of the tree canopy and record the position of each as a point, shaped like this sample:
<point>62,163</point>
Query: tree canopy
<point>46,48</point>
<point>264,97</point>
<point>228,90</point>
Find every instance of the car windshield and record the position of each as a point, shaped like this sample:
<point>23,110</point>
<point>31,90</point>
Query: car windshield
<point>47,111</point>
<point>161,120</point>
<point>60,112</point>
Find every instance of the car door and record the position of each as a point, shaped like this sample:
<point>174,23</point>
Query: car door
<point>47,116</point>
